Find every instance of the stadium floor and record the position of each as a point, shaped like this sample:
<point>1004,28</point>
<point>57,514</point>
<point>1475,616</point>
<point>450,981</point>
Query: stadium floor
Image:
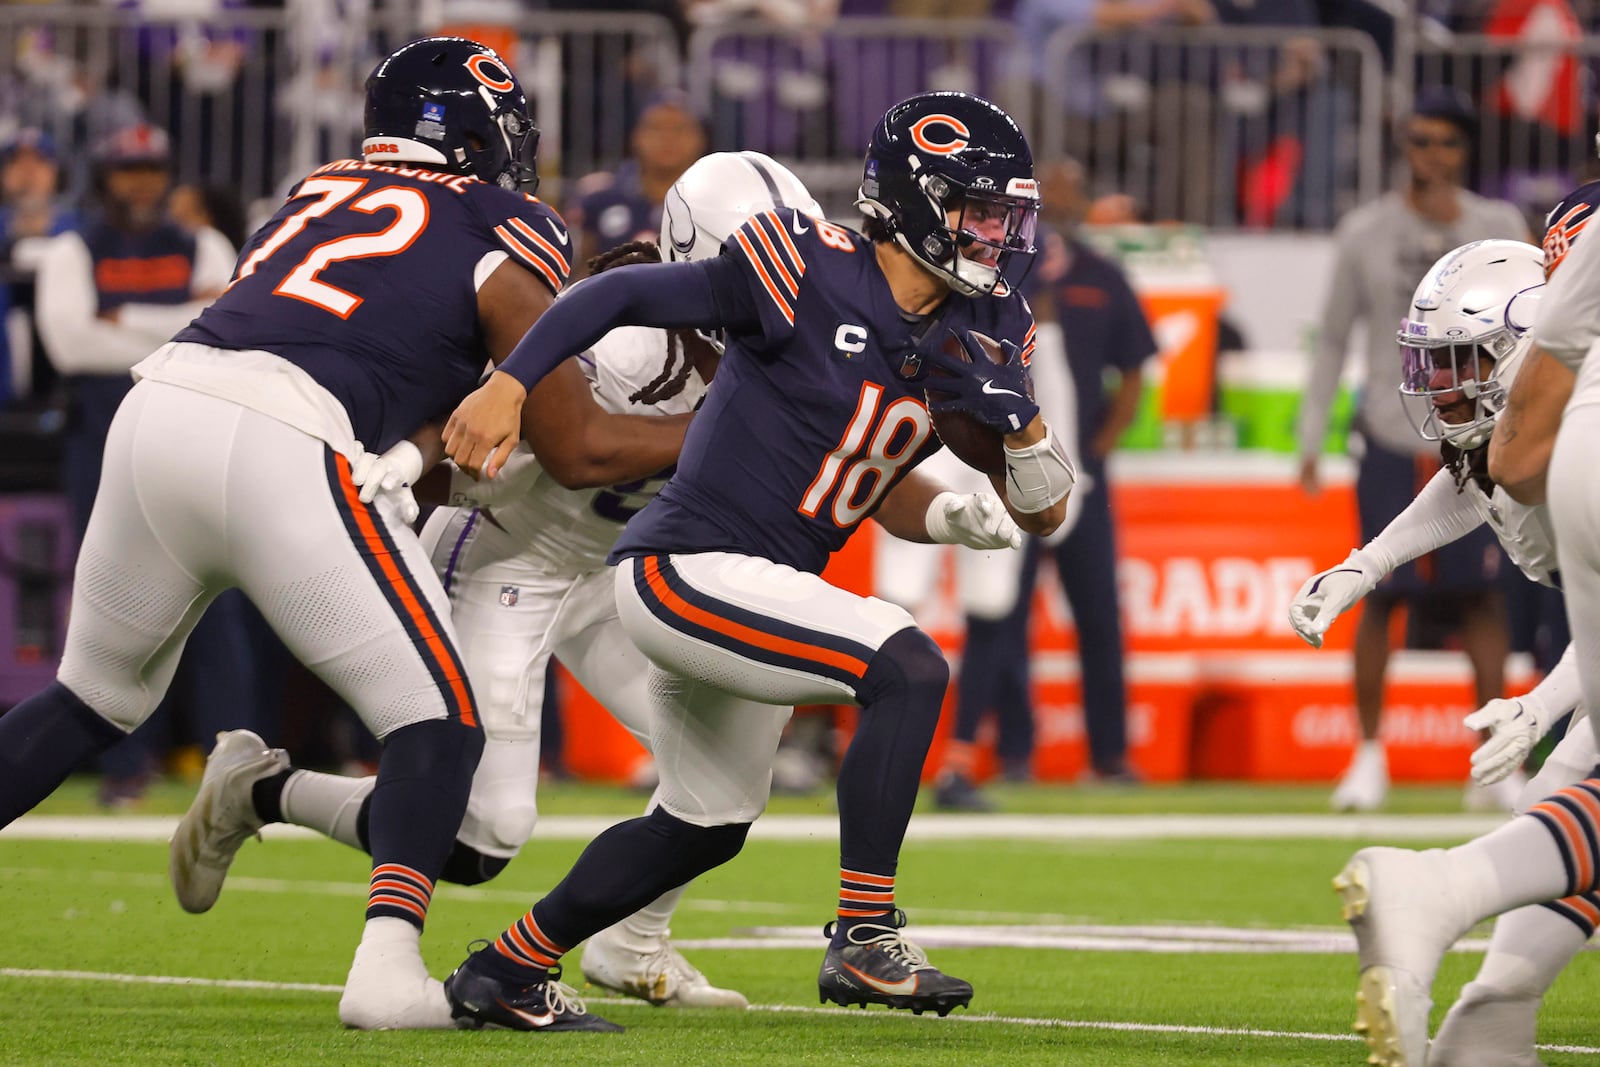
<point>1193,941</point>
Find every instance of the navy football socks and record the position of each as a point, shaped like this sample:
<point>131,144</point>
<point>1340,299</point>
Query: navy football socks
<point>42,740</point>
<point>424,777</point>
<point>901,694</point>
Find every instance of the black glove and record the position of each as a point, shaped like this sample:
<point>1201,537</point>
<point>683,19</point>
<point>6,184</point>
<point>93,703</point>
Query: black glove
<point>999,395</point>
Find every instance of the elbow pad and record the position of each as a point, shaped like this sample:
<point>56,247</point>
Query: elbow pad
<point>1038,475</point>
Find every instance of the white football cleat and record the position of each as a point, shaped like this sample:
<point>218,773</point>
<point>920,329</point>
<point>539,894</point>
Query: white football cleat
<point>221,817</point>
<point>1365,785</point>
<point>1502,796</point>
<point>389,988</point>
<point>662,976</point>
<point>1487,1028</point>
<point>1400,906</point>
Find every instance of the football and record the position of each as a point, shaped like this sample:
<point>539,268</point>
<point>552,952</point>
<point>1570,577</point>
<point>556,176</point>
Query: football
<point>978,446</point>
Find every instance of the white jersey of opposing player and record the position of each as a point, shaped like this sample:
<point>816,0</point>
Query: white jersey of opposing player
<point>570,531</point>
<point>1524,531</point>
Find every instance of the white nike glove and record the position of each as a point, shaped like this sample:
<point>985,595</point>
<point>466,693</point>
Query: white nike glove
<point>392,475</point>
<point>1514,726</point>
<point>977,520</point>
<point>1330,593</point>
<point>514,478</point>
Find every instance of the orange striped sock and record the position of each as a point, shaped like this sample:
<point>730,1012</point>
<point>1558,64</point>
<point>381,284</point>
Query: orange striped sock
<point>524,945</point>
<point>1572,815</point>
<point>1582,911</point>
<point>863,894</point>
<point>399,892</point>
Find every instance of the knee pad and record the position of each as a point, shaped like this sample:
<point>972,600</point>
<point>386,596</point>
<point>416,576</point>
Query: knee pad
<point>467,866</point>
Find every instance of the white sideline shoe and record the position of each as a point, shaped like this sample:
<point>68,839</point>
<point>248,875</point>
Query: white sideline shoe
<point>1399,904</point>
<point>221,817</point>
<point>1487,1028</point>
<point>1365,785</point>
<point>663,976</point>
<point>389,988</point>
<point>1502,796</point>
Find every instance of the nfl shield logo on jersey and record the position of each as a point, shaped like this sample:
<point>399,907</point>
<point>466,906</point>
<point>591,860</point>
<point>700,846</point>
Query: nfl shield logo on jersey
<point>508,596</point>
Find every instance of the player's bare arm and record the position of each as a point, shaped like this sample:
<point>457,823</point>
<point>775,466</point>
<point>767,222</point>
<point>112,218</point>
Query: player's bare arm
<point>904,511</point>
<point>583,446</point>
<point>486,426</point>
<point>1519,449</point>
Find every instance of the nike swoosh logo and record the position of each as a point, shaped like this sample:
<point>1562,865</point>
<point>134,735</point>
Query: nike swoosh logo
<point>989,388</point>
<point>903,988</point>
<point>542,1020</point>
<point>561,234</point>
<point>794,224</point>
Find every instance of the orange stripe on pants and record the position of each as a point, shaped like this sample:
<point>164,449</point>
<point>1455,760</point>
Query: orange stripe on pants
<point>398,580</point>
<point>739,632</point>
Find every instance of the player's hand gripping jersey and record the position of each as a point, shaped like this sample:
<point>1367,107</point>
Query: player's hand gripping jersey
<point>367,279</point>
<point>811,420</point>
<point>570,531</point>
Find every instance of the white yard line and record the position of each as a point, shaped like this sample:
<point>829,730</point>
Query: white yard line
<point>785,1009</point>
<point>825,828</point>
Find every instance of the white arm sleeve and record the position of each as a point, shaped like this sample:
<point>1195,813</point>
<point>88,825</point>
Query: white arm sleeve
<point>1569,313</point>
<point>1057,397</point>
<point>1438,516</point>
<point>213,266</point>
<point>76,341</point>
<point>1560,692</point>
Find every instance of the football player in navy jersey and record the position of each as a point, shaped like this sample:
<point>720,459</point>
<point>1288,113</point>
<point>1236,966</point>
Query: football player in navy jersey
<point>366,306</point>
<point>816,419</point>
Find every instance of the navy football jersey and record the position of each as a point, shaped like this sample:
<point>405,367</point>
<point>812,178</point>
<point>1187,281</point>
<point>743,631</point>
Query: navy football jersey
<point>365,280</point>
<point>808,422</point>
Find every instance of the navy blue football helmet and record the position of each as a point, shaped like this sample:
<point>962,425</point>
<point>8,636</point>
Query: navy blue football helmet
<point>454,105</point>
<point>950,176</point>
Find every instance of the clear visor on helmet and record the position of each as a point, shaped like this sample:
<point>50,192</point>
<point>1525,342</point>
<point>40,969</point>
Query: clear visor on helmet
<point>996,231</point>
<point>1443,388</point>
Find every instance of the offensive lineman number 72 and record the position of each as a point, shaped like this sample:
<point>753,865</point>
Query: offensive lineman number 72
<point>301,282</point>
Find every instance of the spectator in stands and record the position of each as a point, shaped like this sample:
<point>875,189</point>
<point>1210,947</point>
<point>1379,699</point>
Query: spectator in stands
<point>195,207</point>
<point>617,207</point>
<point>31,212</point>
<point>107,297</point>
<point>1383,250</point>
<point>1287,117</point>
<point>1090,319</point>
<point>1130,103</point>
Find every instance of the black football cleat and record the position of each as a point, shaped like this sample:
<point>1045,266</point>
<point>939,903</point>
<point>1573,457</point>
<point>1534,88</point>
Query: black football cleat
<point>479,999</point>
<point>878,965</point>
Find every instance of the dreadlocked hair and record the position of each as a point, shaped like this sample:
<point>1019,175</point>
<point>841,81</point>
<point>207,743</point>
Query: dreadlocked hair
<point>1470,465</point>
<point>675,374</point>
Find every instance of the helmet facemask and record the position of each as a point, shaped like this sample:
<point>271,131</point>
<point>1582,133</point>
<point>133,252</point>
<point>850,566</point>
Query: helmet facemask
<point>987,240</point>
<point>1454,391</point>
<point>521,139</point>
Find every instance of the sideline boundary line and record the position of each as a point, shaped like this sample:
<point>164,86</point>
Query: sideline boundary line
<point>924,828</point>
<point>784,1009</point>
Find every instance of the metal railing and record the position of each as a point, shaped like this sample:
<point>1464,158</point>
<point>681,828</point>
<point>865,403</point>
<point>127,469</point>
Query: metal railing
<point>811,96</point>
<point>254,99</point>
<point>1536,105</point>
<point>1240,126</point>
<point>1224,127</point>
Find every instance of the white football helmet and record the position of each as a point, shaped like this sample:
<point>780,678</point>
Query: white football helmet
<point>1459,346</point>
<point>718,193</point>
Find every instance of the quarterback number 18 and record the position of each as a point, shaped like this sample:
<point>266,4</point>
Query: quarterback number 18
<point>891,438</point>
